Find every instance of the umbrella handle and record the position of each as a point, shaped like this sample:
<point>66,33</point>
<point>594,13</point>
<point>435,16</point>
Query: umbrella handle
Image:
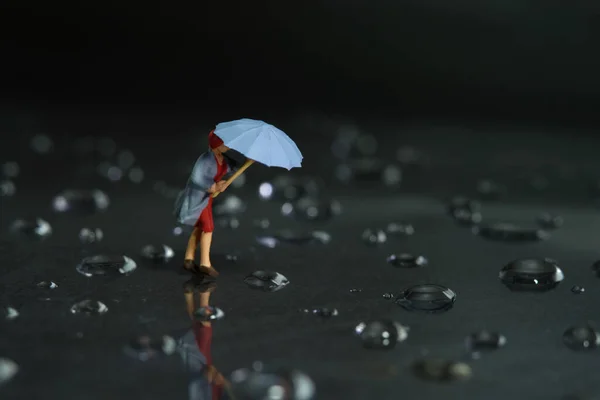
<point>237,173</point>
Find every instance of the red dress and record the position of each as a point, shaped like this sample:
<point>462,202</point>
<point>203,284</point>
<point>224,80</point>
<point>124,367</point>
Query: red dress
<point>205,222</point>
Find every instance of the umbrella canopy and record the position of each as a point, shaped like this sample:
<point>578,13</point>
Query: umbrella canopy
<point>260,142</point>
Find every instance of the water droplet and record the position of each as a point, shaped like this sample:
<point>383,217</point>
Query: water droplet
<point>8,369</point>
<point>136,175</point>
<point>577,289</point>
<point>465,211</point>
<point>374,237</point>
<point>510,232</point>
<point>441,370</point>
<point>228,222</point>
<point>81,201</point>
<point>354,290</point>
<point>47,285</point>
<point>230,205</point>
<point>177,231</point>
<point>37,228</point>
<point>531,274</point>
<point>490,190</point>
<point>581,338</point>
<point>231,258</point>
<point>88,236</point>
<point>158,253</point>
<point>396,229</point>
<point>10,313</point>
<point>263,383</point>
<point>42,144</point>
<point>312,209</point>
<point>267,241</point>
<point>262,223</point>
<point>290,237</point>
<point>89,307</point>
<point>484,341</point>
<point>405,260</point>
<point>267,281</point>
<point>10,169</point>
<point>323,312</point>
<point>381,334</point>
<point>391,175</point>
<point>265,190</point>
<point>388,296</point>
<point>206,314</point>
<point>145,348</point>
<point>7,188</point>
<point>125,159</point>
<point>114,173</point>
<point>427,298</point>
<point>549,221</point>
<point>106,265</point>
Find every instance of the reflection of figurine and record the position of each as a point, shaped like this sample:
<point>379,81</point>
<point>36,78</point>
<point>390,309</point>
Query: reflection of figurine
<point>194,204</point>
<point>207,383</point>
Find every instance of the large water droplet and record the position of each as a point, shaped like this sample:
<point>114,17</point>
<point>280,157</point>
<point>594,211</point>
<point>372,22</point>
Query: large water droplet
<point>89,307</point>
<point>47,285</point>
<point>405,260</point>
<point>37,228</point>
<point>581,338</point>
<point>158,253</point>
<point>381,334</point>
<point>262,383</point>
<point>8,369</point>
<point>81,201</point>
<point>441,370</point>
<point>531,274</point>
<point>267,281</point>
<point>427,298</point>
<point>510,232</point>
<point>484,341</point>
<point>145,348</point>
<point>106,265</point>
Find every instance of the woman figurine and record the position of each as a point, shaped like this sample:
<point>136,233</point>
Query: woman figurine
<point>194,204</point>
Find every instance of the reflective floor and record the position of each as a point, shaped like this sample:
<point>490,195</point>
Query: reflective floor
<point>400,262</point>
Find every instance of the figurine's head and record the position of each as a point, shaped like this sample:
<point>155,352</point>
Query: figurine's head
<point>215,143</point>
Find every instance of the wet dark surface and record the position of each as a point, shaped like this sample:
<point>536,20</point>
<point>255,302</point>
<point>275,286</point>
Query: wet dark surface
<point>63,355</point>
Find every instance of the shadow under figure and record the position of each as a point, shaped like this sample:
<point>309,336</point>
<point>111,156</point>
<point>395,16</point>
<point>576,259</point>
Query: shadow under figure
<point>194,204</point>
<point>206,382</point>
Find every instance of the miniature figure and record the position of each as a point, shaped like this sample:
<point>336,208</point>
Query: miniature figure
<point>255,140</point>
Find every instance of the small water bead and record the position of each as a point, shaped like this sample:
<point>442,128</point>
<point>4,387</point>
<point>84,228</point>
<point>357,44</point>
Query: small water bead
<point>580,338</point>
<point>89,236</point>
<point>400,229</point>
<point>207,314</point>
<point>262,223</point>
<point>42,144</point>
<point>322,312</point>
<point>47,285</point>
<point>145,348</point>
<point>125,159</point>
<point>391,175</point>
<point>287,188</point>
<point>490,190</point>
<point>89,307</point>
<point>158,253</point>
<point>441,370</point>
<point>509,232</point>
<point>265,191</point>
<point>291,237</point>
<point>232,258</point>
<point>10,169</point>
<point>10,313</point>
<point>263,383</point>
<point>405,260</point>
<point>228,222</point>
<point>362,169</point>
<point>114,173</point>
<point>81,201</point>
<point>381,334</point>
<point>267,281</point>
<point>374,237</point>
<point>8,369</point>
<point>37,228</point>
<point>7,188</point>
<point>465,211</point>
<point>177,231</point>
<point>100,265</point>
<point>484,341</point>
<point>231,205</point>
<point>429,298</point>
<point>355,290</point>
<point>313,209</point>
<point>577,289</point>
<point>549,221</point>
<point>531,275</point>
<point>136,175</point>
<point>388,296</point>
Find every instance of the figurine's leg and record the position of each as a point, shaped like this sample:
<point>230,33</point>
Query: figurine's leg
<point>189,302</point>
<point>190,253</point>
<point>204,298</point>
<point>205,243</point>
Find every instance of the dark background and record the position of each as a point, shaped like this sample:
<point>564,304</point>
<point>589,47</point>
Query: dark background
<point>479,90</point>
<point>529,59</point>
